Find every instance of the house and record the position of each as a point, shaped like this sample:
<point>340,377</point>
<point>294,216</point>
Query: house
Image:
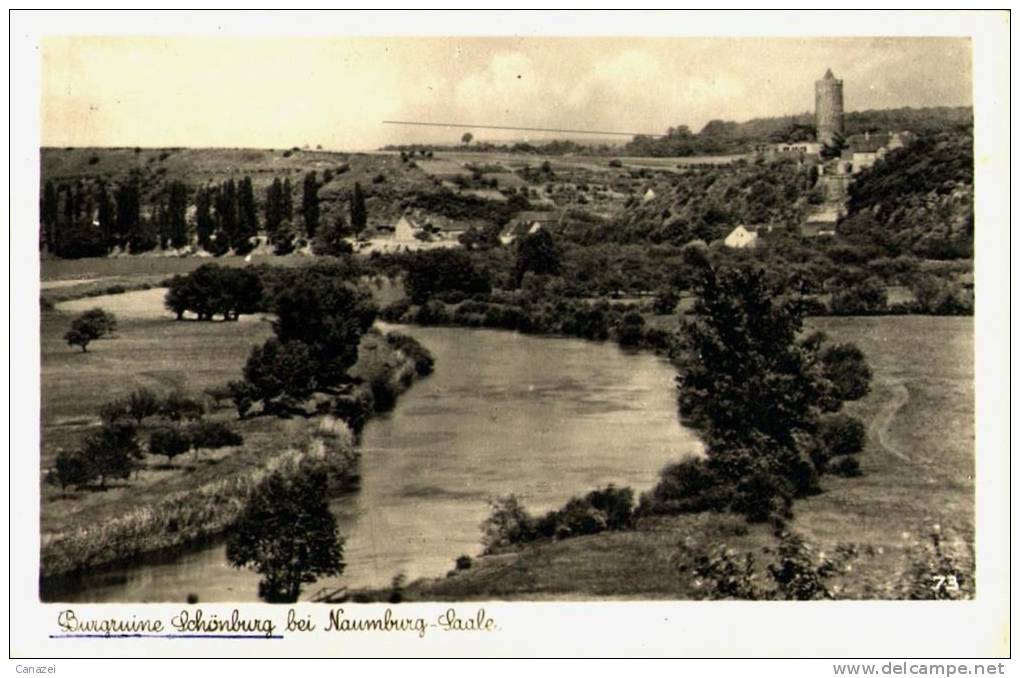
<point>741,238</point>
<point>821,223</point>
<point>407,230</point>
<point>649,195</point>
<point>528,222</point>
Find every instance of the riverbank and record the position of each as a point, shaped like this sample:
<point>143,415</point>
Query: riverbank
<point>918,466</point>
<point>170,505</point>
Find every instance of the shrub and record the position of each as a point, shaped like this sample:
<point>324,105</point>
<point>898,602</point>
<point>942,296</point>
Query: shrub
<point>354,408</point>
<point>688,486</point>
<point>169,443</point>
<point>841,434</point>
<point>412,348</point>
<point>213,435</point>
<point>508,524</point>
<point>244,395</point>
<point>464,562</point>
<point>615,162</point>
<point>845,367</point>
<point>847,467</point>
<point>616,503</point>
<point>384,392</point>
<point>761,497</point>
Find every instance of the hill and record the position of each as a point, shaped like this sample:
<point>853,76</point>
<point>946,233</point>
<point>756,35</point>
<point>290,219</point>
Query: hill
<point>919,200</point>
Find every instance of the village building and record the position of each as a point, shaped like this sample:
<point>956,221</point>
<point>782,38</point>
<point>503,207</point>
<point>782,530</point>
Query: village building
<point>821,222</point>
<point>741,238</point>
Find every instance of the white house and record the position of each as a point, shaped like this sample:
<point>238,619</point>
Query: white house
<point>740,238</point>
<point>649,195</point>
<point>404,231</point>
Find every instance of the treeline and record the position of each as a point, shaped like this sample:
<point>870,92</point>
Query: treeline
<point>721,137</point>
<point>919,200</point>
<point>93,219</point>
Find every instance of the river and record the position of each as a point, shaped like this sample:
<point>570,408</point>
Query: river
<point>544,418</point>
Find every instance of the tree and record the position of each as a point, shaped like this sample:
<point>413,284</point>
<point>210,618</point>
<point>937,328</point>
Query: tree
<point>248,220</point>
<point>142,403</point>
<point>467,138</point>
<point>49,211</point>
<point>177,406</point>
<point>310,204</point>
<point>88,327</point>
<point>169,443</point>
<point>274,209</point>
<point>279,370</point>
<point>753,388</point>
<point>71,468</point>
<point>176,226</point>
<point>328,316</point>
<point>537,252</point>
<point>111,452</point>
<point>205,225</point>
<point>288,535</point>
<point>331,238</point>
<point>359,217</point>
<point>129,219</point>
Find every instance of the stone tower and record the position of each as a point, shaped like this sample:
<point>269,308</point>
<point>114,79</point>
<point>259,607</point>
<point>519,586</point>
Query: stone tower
<point>828,107</point>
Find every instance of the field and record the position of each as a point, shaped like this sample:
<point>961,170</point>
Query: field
<point>153,350</point>
<point>918,472</point>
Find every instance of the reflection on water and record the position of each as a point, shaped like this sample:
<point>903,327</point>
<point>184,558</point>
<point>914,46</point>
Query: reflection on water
<point>543,418</point>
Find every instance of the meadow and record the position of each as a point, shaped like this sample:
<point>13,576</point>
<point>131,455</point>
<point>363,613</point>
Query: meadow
<point>918,468</point>
<point>162,504</point>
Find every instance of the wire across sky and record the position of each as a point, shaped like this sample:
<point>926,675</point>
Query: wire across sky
<point>520,129</point>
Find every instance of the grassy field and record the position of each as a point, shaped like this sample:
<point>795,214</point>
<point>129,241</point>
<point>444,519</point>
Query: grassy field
<point>918,465</point>
<point>161,354</point>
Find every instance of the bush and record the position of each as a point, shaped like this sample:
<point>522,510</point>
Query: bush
<point>616,503</point>
<point>845,366</point>
<point>847,467</point>
<point>354,408</point>
<point>213,435</point>
<point>761,497</point>
<point>507,525</point>
<point>841,434</point>
<point>244,396</point>
<point>410,347</point>
<point>688,486</point>
<point>464,562</point>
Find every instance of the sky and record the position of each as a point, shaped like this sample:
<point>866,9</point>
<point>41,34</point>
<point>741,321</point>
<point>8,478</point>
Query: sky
<point>336,92</point>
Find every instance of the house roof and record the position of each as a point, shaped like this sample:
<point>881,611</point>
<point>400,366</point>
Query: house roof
<point>859,143</point>
<point>530,216</point>
<point>826,215</point>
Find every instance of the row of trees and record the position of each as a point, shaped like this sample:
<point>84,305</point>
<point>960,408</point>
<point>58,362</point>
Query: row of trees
<point>88,220</point>
<point>212,290</point>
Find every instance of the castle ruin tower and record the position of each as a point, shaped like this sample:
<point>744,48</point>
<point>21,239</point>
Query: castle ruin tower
<point>828,107</point>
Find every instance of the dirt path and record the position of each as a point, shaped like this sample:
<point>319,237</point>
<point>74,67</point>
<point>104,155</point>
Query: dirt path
<point>879,429</point>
